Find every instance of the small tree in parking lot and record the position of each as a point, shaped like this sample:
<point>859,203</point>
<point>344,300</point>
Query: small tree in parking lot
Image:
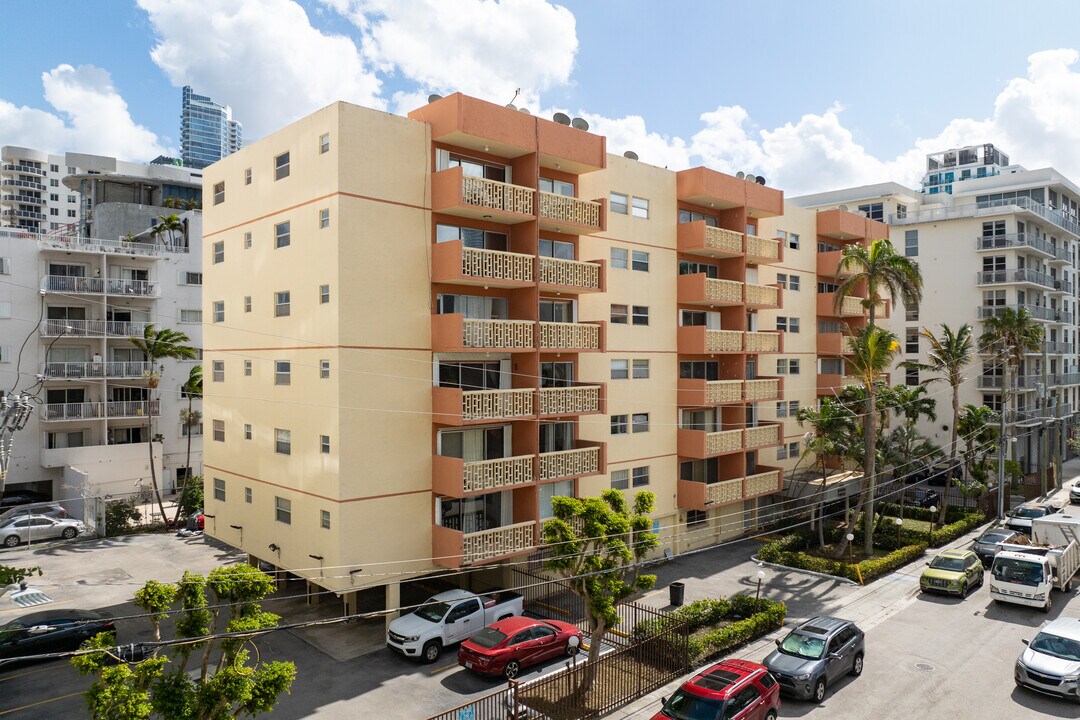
<point>597,545</point>
<point>161,686</point>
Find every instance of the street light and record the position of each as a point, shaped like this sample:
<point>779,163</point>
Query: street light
<point>933,512</point>
<point>850,547</point>
<point>760,577</point>
<point>899,524</point>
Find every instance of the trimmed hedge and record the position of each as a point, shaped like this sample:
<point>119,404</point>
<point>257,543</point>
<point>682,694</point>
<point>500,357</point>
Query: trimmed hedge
<point>885,536</point>
<point>788,551</point>
<point>915,512</point>
<point>954,530</point>
<point>753,617</point>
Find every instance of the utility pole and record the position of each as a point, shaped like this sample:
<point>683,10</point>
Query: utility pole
<point>1002,440</point>
<point>1044,397</point>
<point>14,414</point>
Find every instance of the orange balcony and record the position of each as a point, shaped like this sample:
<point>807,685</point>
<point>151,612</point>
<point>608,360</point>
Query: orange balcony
<point>572,337</point>
<point>453,193</point>
<point>766,482</point>
<point>571,276</point>
<point>710,188</point>
<point>453,406</point>
<point>697,340</point>
<point>828,264</point>
<point>701,393</point>
<point>453,263</point>
<point>762,296</point>
<point>844,225</point>
<point>761,251</point>
<point>834,344</point>
<point>761,389</point>
<point>699,444</point>
<point>486,127</point>
<point>452,332</point>
<point>697,238</point>
<point>573,400</point>
<point>828,384</point>
<point>701,290</point>
<point>454,477</point>
<point>589,459</point>
<point>765,435</point>
<point>764,342</point>
<point>826,306</point>
<point>702,496</point>
<point>452,548</point>
<point>560,213</point>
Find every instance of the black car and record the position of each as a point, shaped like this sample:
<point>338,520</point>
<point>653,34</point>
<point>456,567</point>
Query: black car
<point>986,546</point>
<point>49,631</point>
<point>13,498</point>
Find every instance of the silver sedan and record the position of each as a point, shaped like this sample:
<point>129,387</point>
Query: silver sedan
<point>34,528</point>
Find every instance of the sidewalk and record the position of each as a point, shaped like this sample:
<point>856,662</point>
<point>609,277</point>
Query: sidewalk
<point>727,570</point>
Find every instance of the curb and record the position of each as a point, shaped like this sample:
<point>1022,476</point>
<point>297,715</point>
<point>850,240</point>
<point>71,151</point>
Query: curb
<point>814,573</point>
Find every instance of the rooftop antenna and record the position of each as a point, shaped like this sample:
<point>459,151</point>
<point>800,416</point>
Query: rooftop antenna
<point>561,118</point>
<point>579,123</point>
<point>630,154</point>
<point>433,97</point>
<point>516,93</point>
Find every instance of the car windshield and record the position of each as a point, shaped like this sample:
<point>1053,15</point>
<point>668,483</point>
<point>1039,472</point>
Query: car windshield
<point>950,564</point>
<point>686,706</point>
<point>1057,646</point>
<point>9,629</point>
<point>803,646</point>
<point>488,638</point>
<point>433,612</point>
<point>1029,512</point>
<point>1023,572</point>
<point>993,538</point>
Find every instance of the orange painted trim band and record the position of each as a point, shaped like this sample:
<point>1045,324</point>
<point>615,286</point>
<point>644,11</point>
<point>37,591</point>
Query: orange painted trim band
<point>319,347</point>
<point>651,457</point>
<point>632,242</point>
<point>311,494</point>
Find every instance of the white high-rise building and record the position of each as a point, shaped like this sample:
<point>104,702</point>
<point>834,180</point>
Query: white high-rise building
<point>72,294</point>
<point>987,235</point>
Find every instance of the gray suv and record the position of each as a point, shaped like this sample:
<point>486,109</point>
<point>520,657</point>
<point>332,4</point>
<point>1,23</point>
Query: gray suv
<point>1051,662</point>
<point>817,654</point>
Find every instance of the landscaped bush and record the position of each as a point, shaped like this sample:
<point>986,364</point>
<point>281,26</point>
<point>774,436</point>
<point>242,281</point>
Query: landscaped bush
<point>954,530</point>
<point>952,514</point>
<point>727,638</point>
<point>119,516</point>
<point>788,551</point>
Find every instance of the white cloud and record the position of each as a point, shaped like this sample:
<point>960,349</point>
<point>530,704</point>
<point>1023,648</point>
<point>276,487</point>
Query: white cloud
<point>483,48</point>
<point>92,118</point>
<point>262,57</point>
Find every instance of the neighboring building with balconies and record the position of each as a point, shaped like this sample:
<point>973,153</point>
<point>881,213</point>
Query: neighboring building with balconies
<point>80,291</point>
<point>987,235</point>
<point>457,316</point>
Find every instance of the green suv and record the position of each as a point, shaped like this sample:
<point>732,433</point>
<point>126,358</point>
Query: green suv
<point>953,571</point>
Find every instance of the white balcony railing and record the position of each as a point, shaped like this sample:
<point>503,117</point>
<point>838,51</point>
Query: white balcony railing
<point>92,328</point>
<point>506,540</point>
<point>496,265</point>
<point>569,336</point>
<point>568,400</point>
<point>569,210</point>
<point>497,333</point>
<point>569,463</point>
<point>496,404</point>
<point>497,474</point>
<point>570,273</point>
<point>91,370</point>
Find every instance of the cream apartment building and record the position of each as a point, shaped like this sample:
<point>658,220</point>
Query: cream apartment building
<point>419,330</point>
<point>987,234</point>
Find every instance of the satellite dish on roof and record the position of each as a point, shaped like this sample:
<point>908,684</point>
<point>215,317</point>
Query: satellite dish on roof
<point>580,124</point>
<point>433,97</point>
<point>844,208</point>
<point>751,178</point>
<point>561,118</point>
<point>630,154</point>
<point>512,106</point>
<point>740,174</point>
<point>760,180</point>
<point>524,110</point>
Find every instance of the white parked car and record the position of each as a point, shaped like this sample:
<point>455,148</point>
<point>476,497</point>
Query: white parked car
<point>35,528</point>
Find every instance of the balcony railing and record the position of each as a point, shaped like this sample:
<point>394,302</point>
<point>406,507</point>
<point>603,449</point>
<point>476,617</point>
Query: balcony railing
<point>24,169</point>
<point>723,341</point>
<point>496,265</point>
<point>100,410</point>
<point>496,404</point>
<point>723,240</point>
<point>569,400</point>
<point>28,184</point>
<point>91,370</point>
<point>68,284</point>
<point>495,195</point>
<point>569,336</point>
<point>725,441</point>
<point>1023,275</point>
<point>763,483</point>
<point>973,209</point>
<point>497,333</point>
<point>1022,382</point>
<point>761,436</point>
<point>506,540</point>
<point>569,210</point>
<point>762,250</point>
<point>69,243</point>
<point>25,214</point>
<point>25,199</point>
<point>1015,240</point>
<point>1039,312</point>
<point>762,295</point>
<point>766,389</point>
<point>723,391</point>
<point>119,286</point>
<point>723,492</point>
<point>569,273</point>
<point>762,342</point>
<point>498,474</point>
<point>91,328</point>
<point>569,463</point>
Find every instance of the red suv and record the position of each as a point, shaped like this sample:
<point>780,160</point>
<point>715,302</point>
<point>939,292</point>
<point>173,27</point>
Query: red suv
<point>729,690</point>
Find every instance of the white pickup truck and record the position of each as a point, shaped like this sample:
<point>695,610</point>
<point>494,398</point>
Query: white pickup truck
<point>1026,574</point>
<point>449,618</point>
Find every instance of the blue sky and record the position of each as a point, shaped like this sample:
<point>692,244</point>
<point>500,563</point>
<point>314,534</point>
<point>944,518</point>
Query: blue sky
<point>814,99</point>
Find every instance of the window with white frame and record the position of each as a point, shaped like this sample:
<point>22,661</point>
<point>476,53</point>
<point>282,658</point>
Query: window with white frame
<point>324,143</point>
<point>640,476</point>
<point>247,240</point>
<point>324,369</point>
<point>911,340</point>
<point>218,371</point>
<point>640,208</point>
<point>911,313</point>
<point>247,368</point>
<point>219,252</point>
<point>247,176</point>
<point>640,422</point>
<point>219,489</point>
<point>640,315</point>
<point>641,369</point>
<point>190,278</point>
<point>281,166</point>
<point>619,258</point>
<point>282,441</point>
<point>619,314</point>
<point>620,369</point>
<point>639,261</point>
<point>324,519</point>
<point>282,372</point>
<point>620,424</point>
<point>282,234</point>
<point>191,316</point>
<point>283,510</point>
<point>282,303</point>
<point>248,432</point>
<point>793,241</point>
<point>911,243</point>
<point>324,294</point>
<point>219,192</point>
<point>324,444</point>
<point>219,311</point>
<point>247,495</point>
<point>247,303</point>
<point>794,283</point>
<point>620,479</point>
<point>618,203</point>
<point>787,366</point>
<point>219,430</point>
<point>324,218</point>
<point>788,324</point>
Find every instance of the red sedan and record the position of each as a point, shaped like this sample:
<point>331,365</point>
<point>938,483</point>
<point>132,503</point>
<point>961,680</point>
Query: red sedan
<point>505,647</point>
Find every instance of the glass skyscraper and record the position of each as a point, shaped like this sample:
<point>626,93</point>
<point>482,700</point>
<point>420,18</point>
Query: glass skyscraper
<point>207,131</point>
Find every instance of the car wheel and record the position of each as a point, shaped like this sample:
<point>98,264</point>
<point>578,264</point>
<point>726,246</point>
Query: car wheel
<point>432,651</point>
<point>857,665</point>
<point>819,690</point>
<point>69,533</point>
<point>1049,603</point>
<point>771,715</point>
<point>572,650</point>
<point>512,669</point>
<point>1067,587</point>
<point>12,541</point>
<point>963,590</point>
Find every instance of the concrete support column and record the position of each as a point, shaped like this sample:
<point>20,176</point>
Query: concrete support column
<point>393,600</point>
<point>349,602</point>
<point>314,593</point>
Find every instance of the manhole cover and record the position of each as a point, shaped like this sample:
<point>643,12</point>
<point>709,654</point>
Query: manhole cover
<point>925,667</point>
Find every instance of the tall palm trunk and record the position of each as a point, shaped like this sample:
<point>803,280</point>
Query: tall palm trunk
<point>187,465</point>
<point>869,466</point>
<point>150,445</point>
<point>952,455</point>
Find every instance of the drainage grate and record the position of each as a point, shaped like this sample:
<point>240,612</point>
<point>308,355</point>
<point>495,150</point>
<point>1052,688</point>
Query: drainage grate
<point>925,667</point>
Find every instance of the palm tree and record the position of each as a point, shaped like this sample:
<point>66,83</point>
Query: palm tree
<point>977,426</point>
<point>170,226</point>
<point>1010,335</point>
<point>191,419</point>
<point>903,447</point>
<point>834,430</point>
<point>159,345</point>
<point>874,350</point>
<point>912,403</point>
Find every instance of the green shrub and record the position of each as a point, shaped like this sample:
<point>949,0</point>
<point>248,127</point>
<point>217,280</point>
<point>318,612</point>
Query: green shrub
<point>119,516</point>
<point>918,513</point>
<point>954,530</point>
<point>785,551</point>
<point>875,568</point>
<point>727,638</point>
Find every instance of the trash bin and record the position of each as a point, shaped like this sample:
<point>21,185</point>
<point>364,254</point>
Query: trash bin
<point>676,591</point>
